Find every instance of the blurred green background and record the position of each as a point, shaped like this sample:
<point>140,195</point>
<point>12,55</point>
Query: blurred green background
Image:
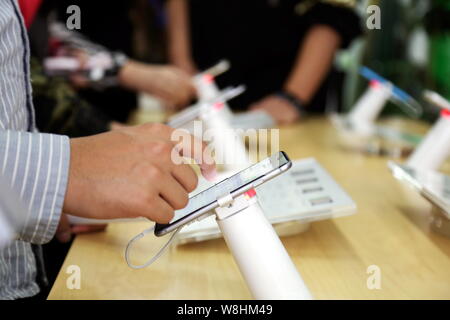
<point>412,49</point>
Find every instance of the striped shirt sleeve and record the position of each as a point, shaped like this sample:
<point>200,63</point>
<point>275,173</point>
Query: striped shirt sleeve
<point>12,213</point>
<point>36,165</point>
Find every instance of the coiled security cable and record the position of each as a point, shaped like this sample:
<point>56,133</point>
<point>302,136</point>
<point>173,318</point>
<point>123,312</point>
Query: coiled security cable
<point>156,256</point>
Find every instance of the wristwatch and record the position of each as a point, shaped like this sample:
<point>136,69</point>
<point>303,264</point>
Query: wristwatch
<point>293,100</point>
<point>119,60</point>
<point>105,78</point>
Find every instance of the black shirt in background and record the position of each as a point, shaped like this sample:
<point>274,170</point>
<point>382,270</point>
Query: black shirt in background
<point>107,23</point>
<point>261,39</point>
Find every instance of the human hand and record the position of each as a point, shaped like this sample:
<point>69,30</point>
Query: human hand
<point>134,172</point>
<point>78,79</point>
<point>170,84</point>
<point>65,231</point>
<point>114,125</point>
<point>278,108</point>
<point>187,65</point>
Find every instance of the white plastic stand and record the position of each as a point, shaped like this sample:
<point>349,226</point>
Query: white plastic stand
<point>217,121</point>
<point>257,249</point>
<point>260,255</point>
<point>205,83</point>
<point>368,107</point>
<point>229,148</point>
<point>435,148</point>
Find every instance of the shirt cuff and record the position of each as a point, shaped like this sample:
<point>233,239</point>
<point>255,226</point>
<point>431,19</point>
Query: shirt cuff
<point>37,167</point>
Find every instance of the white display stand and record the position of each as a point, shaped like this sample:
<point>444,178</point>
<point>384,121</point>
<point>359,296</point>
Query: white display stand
<point>435,148</point>
<point>261,257</point>
<point>432,186</point>
<point>358,129</point>
<point>228,145</point>
<point>257,249</point>
<point>217,121</point>
<point>306,193</point>
<point>368,108</point>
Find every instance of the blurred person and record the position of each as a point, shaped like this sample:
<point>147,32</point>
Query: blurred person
<point>59,107</point>
<point>60,110</point>
<point>124,173</point>
<point>282,50</point>
<point>123,31</point>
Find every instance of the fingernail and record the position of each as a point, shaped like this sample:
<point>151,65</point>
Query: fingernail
<point>210,175</point>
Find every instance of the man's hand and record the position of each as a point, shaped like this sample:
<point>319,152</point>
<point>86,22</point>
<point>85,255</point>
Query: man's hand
<point>170,84</point>
<point>278,108</point>
<point>77,79</point>
<point>133,172</point>
<point>65,230</point>
<point>187,65</point>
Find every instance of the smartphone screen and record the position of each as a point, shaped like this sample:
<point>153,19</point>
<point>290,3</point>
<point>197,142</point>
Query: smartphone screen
<point>237,184</point>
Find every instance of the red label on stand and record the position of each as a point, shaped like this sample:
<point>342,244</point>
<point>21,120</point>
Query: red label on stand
<point>250,193</point>
<point>208,78</point>
<point>375,84</point>
<point>445,113</point>
<point>218,105</point>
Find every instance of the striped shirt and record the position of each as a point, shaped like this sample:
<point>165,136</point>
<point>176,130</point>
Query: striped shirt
<point>34,165</point>
<point>12,213</point>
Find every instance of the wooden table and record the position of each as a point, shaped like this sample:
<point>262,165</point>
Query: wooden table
<point>390,230</point>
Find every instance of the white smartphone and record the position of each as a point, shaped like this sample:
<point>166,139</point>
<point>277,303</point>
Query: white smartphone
<point>202,204</point>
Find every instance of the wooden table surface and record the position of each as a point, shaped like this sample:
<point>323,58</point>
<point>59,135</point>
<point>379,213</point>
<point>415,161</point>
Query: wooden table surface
<point>391,230</point>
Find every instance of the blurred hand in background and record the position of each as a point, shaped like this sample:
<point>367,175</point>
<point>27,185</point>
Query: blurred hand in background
<point>170,84</point>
